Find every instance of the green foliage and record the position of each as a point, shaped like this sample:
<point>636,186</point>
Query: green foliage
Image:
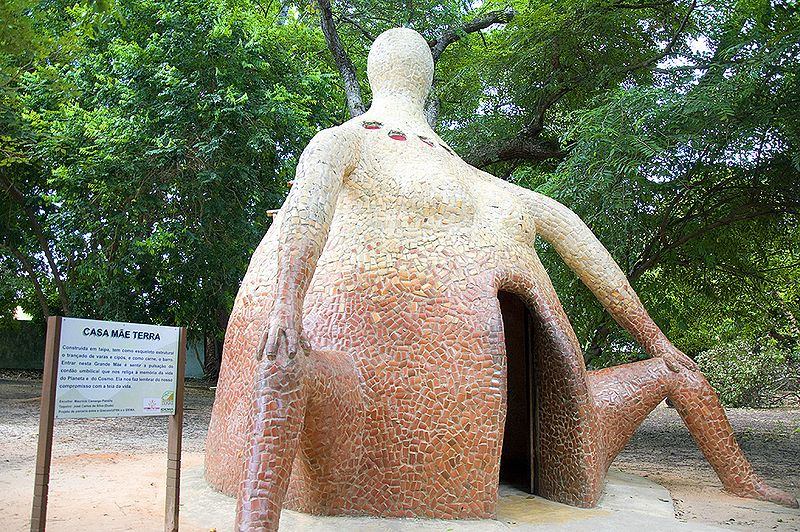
<point>692,184</point>
<point>147,139</point>
<point>21,345</point>
<point>755,375</point>
<point>555,57</point>
<point>150,157</point>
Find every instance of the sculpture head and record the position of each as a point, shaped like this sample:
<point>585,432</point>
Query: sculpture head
<point>400,66</point>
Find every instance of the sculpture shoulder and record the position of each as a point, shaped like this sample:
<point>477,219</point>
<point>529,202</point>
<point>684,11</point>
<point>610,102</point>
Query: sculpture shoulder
<point>337,146</point>
<point>505,204</point>
<point>347,133</point>
<point>509,191</point>
<point>531,200</point>
<point>542,214</point>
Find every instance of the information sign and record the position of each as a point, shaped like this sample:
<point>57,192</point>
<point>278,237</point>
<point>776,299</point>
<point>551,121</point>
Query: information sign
<point>116,369</point>
<point>111,369</point>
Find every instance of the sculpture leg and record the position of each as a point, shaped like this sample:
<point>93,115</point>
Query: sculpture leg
<point>331,442</point>
<point>625,395</point>
<point>278,412</point>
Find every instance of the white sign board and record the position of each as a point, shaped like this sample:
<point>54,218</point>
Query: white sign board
<point>116,369</point>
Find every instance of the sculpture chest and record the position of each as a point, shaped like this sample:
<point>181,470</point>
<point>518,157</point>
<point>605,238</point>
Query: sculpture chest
<point>411,177</point>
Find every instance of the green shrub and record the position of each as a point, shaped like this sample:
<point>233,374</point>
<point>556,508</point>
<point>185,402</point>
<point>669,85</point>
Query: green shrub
<point>747,374</point>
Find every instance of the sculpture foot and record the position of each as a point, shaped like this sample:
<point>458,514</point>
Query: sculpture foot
<point>764,492</point>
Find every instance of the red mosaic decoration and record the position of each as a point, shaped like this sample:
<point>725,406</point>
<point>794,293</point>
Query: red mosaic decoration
<point>397,135</point>
<point>365,367</point>
<point>372,125</point>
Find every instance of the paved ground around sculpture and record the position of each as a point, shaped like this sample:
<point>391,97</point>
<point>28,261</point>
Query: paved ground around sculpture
<point>109,475</point>
<point>629,503</point>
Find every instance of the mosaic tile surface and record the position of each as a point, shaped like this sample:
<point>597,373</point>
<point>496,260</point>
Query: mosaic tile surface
<point>373,299</point>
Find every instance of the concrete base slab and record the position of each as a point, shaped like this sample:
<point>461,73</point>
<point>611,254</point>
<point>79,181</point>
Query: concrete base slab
<point>628,503</point>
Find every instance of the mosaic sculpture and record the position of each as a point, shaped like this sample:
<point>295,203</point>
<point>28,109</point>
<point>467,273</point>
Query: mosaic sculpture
<point>364,367</point>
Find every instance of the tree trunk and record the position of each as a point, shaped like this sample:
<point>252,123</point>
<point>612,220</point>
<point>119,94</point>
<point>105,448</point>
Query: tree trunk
<point>212,356</point>
<point>26,265</point>
<point>38,232</point>
<point>432,110</point>
<point>214,345</point>
<point>343,63</point>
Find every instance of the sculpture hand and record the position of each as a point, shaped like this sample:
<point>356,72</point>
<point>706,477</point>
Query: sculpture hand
<point>283,327</point>
<point>675,360</point>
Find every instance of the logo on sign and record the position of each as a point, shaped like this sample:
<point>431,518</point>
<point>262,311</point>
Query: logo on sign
<point>168,399</point>
<point>152,405</point>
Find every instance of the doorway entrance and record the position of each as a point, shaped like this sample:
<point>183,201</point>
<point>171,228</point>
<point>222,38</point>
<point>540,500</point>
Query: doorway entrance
<point>518,458</point>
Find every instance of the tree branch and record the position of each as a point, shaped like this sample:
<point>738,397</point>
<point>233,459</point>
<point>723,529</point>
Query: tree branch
<point>668,48</point>
<point>357,25</point>
<point>439,45</point>
<point>526,145</point>
<point>529,134</point>
<point>643,5</point>
<point>352,90</point>
<point>651,256</point>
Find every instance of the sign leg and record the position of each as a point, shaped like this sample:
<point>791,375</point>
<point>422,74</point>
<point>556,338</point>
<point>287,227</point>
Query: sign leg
<point>46,419</point>
<point>174,444</point>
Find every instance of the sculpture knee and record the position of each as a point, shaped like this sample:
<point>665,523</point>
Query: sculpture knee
<point>280,377</point>
<point>685,386</point>
<point>638,385</point>
<point>331,443</point>
<point>336,407</point>
<point>623,397</point>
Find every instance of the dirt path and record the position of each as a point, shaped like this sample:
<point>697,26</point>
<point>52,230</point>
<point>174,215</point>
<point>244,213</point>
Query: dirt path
<point>106,474</point>
<point>109,471</point>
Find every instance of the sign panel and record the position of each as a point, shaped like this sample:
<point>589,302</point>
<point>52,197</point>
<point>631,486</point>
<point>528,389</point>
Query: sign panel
<point>116,369</point>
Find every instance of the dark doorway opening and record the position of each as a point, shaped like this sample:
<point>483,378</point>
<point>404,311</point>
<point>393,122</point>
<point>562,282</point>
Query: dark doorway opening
<point>518,458</point>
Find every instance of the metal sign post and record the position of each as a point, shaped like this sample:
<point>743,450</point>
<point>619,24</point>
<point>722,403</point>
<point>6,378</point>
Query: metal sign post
<point>59,399</point>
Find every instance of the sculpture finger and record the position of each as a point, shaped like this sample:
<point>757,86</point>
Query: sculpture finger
<point>305,345</point>
<point>262,345</point>
<point>671,363</point>
<point>291,342</point>
<point>272,342</point>
<point>688,363</point>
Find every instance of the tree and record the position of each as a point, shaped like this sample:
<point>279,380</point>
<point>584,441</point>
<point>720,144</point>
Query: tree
<point>706,157</point>
<point>142,143</point>
<point>152,154</point>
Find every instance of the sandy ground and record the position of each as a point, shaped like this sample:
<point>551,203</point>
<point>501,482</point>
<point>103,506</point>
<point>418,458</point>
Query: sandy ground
<point>108,474</point>
<point>663,451</point>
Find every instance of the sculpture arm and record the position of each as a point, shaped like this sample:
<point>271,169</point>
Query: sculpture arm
<point>592,263</point>
<point>305,221</point>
